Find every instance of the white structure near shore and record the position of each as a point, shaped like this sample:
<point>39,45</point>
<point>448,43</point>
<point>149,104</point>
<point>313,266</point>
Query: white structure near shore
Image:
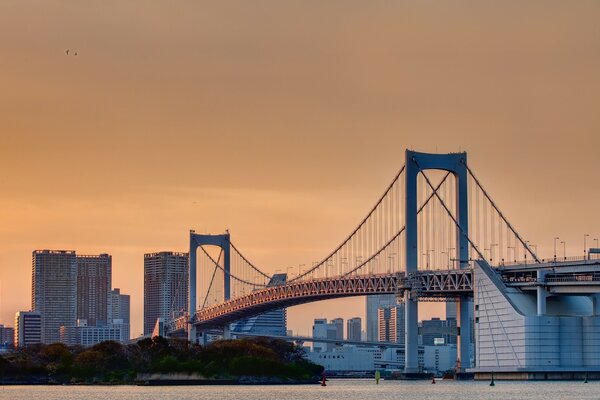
<point>523,335</point>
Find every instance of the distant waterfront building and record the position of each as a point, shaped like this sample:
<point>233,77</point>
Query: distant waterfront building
<point>272,322</point>
<point>373,303</point>
<point>333,330</point>
<point>391,324</point>
<point>28,328</point>
<point>319,331</point>
<point>7,336</point>
<point>353,329</point>
<point>119,308</point>
<point>165,287</point>
<point>94,280</point>
<point>54,290</point>
<point>344,359</point>
<point>84,335</point>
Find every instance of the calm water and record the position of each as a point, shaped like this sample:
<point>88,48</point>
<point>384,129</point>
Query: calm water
<point>336,390</point>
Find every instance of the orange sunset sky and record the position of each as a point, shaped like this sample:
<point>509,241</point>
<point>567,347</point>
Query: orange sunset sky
<point>282,121</point>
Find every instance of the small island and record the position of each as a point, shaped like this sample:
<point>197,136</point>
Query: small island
<point>160,361</point>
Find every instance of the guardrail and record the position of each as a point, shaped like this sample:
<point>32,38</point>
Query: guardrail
<point>591,258</point>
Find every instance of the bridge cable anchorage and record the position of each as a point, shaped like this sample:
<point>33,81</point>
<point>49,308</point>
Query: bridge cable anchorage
<point>396,235</point>
<point>449,213</point>
<point>248,262</point>
<point>213,276</point>
<point>360,225</point>
<point>524,243</point>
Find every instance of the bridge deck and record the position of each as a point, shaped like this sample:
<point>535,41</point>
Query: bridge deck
<point>578,277</point>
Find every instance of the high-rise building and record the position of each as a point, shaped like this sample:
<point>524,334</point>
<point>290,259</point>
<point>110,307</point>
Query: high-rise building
<point>451,310</point>
<point>431,330</point>
<point>353,329</point>
<point>7,336</point>
<point>28,328</point>
<point>54,290</point>
<point>333,330</point>
<point>119,310</point>
<point>165,287</point>
<point>94,280</point>
<point>319,331</point>
<point>391,324</point>
<point>337,325</point>
<point>272,322</point>
<point>373,303</point>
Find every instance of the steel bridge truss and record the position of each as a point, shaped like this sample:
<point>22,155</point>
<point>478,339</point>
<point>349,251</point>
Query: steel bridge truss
<point>425,285</point>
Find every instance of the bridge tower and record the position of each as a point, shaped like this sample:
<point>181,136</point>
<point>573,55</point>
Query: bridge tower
<point>196,240</point>
<point>455,163</point>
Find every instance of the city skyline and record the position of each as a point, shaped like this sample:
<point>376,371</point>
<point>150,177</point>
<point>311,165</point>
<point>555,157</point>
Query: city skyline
<point>112,152</point>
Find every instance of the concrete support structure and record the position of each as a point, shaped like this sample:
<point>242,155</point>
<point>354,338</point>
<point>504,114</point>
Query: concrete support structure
<point>196,240</point>
<point>541,293</point>
<point>595,304</point>
<point>455,163</point>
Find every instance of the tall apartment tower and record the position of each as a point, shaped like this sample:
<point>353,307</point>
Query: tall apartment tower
<point>391,324</point>
<point>119,309</point>
<point>353,329</point>
<point>28,328</point>
<point>374,303</point>
<point>54,290</point>
<point>94,281</point>
<point>165,287</point>
<point>338,326</point>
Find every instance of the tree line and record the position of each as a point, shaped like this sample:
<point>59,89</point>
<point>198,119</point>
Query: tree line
<point>113,362</point>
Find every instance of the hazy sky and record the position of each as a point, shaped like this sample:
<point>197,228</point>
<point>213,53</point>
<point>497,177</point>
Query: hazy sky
<point>282,122</point>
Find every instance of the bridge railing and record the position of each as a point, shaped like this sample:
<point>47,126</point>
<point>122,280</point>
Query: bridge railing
<point>589,277</point>
<point>594,258</point>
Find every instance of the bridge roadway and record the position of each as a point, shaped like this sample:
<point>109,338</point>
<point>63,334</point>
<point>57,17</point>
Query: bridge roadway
<point>574,276</point>
<point>339,342</point>
<point>446,330</point>
<point>424,283</point>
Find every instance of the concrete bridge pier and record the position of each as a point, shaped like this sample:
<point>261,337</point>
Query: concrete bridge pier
<point>595,304</point>
<point>463,350</point>
<point>541,292</point>
<point>411,358</point>
<point>192,333</point>
<point>227,332</point>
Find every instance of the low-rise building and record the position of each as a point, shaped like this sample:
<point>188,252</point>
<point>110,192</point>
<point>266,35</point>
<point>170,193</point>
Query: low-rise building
<point>84,335</point>
<point>28,328</point>
<point>7,337</point>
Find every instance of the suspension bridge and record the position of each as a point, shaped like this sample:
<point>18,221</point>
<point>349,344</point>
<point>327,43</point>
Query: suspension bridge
<point>424,238</point>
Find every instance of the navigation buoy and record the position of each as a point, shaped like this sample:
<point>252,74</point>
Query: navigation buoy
<point>377,377</point>
<point>492,382</point>
<point>433,380</point>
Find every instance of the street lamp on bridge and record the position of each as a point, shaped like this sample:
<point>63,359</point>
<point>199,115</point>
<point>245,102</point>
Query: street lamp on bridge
<point>555,239</point>
<point>391,265</point>
<point>564,249</point>
<point>514,249</point>
<point>584,244</point>
<point>492,251</point>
